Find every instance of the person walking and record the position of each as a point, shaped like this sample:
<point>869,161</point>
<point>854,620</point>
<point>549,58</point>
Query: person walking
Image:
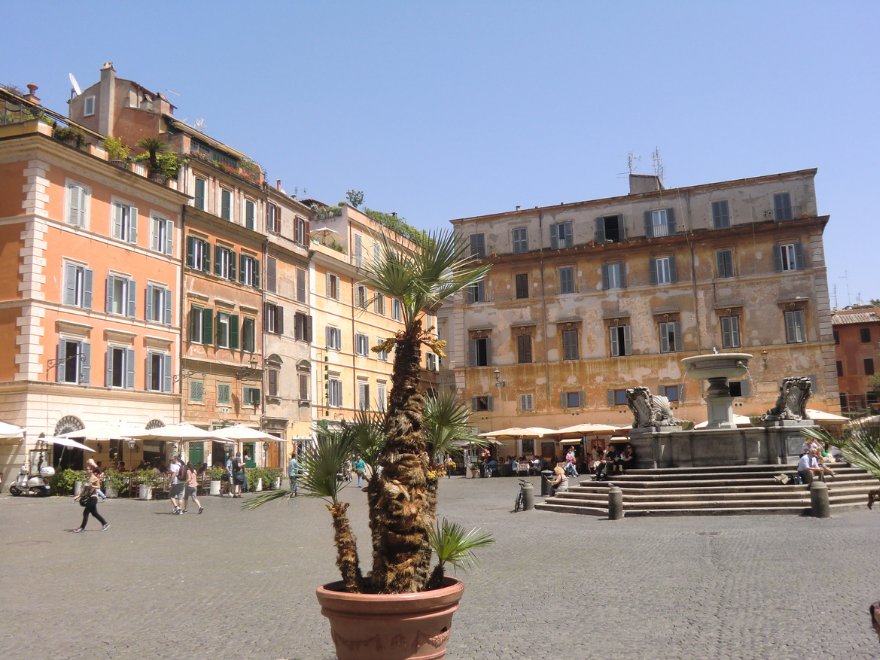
<point>98,473</point>
<point>293,470</point>
<point>192,485</point>
<point>90,497</point>
<point>238,474</point>
<point>175,493</point>
<point>570,463</point>
<point>360,468</point>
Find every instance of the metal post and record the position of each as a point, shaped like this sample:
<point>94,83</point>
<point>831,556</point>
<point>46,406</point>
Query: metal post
<point>819,503</point>
<point>528,497</point>
<point>615,503</point>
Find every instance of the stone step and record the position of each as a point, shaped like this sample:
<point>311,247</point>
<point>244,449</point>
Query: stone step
<point>703,483</point>
<point>727,468</point>
<point>738,475</point>
<point>601,488</point>
<point>731,511</point>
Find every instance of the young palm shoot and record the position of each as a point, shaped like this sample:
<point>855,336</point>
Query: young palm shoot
<point>859,447</point>
<point>447,425</point>
<point>454,546</point>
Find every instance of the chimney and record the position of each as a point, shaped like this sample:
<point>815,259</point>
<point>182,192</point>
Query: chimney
<point>106,101</point>
<point>643,183</point>
<point>394,214</point>
<point>278,184</point>
<point>32,93</point>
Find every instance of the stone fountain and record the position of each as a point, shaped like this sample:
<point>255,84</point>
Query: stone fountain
<point>659,440</point>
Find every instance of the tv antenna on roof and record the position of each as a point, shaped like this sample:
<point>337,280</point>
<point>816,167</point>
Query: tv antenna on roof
<point>631,166</point>
<point>172,91</point>
<point>74,86</point>
<point>659,169</point>
<point>199,125</point>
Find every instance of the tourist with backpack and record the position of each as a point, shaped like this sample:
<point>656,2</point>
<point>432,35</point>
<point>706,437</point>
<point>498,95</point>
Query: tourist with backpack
<point>175,494</point>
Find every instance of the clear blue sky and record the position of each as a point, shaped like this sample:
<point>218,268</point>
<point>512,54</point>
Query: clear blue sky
<point>439,110</point>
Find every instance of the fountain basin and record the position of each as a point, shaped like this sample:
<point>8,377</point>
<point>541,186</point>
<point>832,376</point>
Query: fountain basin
<point>717,365</point>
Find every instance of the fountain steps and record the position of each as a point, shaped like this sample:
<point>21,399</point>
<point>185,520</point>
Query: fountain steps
<point>735,490</point>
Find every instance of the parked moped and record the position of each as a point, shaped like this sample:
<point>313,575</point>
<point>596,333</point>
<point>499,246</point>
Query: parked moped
<point>32,484</point>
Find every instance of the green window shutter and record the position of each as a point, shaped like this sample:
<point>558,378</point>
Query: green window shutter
<point>207,266</point>
<point>232,259</point>
<point>256,274</point>
<point>241,259</point>
<point>226,205</point>
<point>195,315</point>
<point>190,251</point>
<point>249,214</point>
<point>200,194</point>
<point>218,257</point>
<point>207,328</point>
<point>233,331</point>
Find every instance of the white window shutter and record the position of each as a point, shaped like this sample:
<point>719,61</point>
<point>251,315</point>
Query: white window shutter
<point>69,284</point>
<point>166,373</point>
<point>132,224</point>
<point>169,301</point>
<point>169,237</point>
<point>148,303</point>
<point>85,365</point>
<point>131,310</point>
<point>615,351</point>
<point>627,340</point>
<point>88,282</point>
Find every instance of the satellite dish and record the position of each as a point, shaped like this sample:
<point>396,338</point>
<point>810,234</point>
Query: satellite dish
<point>75,84</point>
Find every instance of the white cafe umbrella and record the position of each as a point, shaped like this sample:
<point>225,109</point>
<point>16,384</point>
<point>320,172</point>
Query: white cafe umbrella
<point>242,432</point>
<point>182,432</point>
<point>66,442</point>
<point>11,431</point>
<point>586,429</point>
<point>105,431</point>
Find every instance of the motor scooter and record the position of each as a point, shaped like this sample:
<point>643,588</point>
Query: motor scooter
<point>32,484</point>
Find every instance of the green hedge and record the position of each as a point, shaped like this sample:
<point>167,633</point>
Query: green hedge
<point>63,480</point>
<point>269,475</point>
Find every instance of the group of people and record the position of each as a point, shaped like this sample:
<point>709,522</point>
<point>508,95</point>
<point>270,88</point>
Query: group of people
<point>813,462</point>
<point>612,461</point>
<point>184,485</point>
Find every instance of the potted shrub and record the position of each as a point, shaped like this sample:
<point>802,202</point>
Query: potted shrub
<point>117,152</point>
<point>153,147</point>
<point>72,136</point>
<point>216,482</point>
<point>147,480</point>
<point>401,608</point>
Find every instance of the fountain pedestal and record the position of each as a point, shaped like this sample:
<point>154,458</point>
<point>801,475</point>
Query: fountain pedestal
<point>719,404</point>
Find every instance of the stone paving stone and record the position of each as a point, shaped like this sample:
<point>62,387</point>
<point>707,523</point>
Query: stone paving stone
<point>228,584</point>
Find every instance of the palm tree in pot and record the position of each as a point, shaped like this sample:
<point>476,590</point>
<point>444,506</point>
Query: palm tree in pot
<point>153,147</point>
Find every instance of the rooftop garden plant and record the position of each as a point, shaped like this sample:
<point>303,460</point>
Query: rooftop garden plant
<point>116,149</point>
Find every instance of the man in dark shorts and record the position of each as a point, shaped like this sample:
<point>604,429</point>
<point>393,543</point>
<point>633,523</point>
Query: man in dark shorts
<point>175,494</point>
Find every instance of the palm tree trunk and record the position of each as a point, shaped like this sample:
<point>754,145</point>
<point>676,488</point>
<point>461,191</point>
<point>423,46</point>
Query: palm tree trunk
<point>346,548</point>
<point>402,504</point>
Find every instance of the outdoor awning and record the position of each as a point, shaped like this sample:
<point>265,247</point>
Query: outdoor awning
<point>11,431</point>
<point>177,433</point>
<point>571,441</point>
<point>240,432</point>
<point>822,416</point>
<point>66,442</point>
<point>108,431</point>
<point>739,420</point>
<point>587,429</point>
<point>513,432</point>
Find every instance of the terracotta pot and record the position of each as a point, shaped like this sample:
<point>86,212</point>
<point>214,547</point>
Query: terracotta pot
<point>390,627</point>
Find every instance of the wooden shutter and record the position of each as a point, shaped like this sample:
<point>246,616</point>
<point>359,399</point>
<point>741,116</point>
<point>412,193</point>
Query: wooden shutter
<point>195,315</point>
<point>309,328</point>
<point>109,295</point>
<point>567,234</point>
<point>74,203</point>
<point>148,303</point>
<point>673,271</point>
<point>108,368</point>
<point>734,331</point>
<point>256,284</point>
<point>129,368</point>
<point>169,236</point>
<point>798,256</point>
<point>168,298</point>
<point>581,399</point>
<point>190,251</point>
<point>554,237</point>
<point>88,282</point>
<point>600,230</point>
<point>652,268</point>
<point>676,329</point>
<point>615,350</point>
<point>271,266</point>
<point>473,404</point>
<point>327,337</point>
<point>745,388</point>
<point>200,194</point>
<point>472,352</point>
<point>358,250</point>
<point>627,340</point>
<point>726,341</point>
<point>233,331</point>
<point>300,285</point>
<point>621,269</point>
<point>132,224</point>
<point>232,260</point>
<point>218,265</point>
<point>564,400</point>
<point>60,364</point>
<point>611,401</point>
<point>149,370</point>
<point>279,320</point>
<point>777,258</point>
<point>131,308</point>
<point>249,214</point>
<point>85,365</point>
<point>118,213</point>
<point>167,379</point>
<point>207,327</point>
<point>606,278</point>
<point>206,267</point>
<point>273,382</point>
<point>490,403</point>
<point>69,284</point>
<point>242,260</point>
<point>225,204</point>
<point>649,225</point>
<point>670,221</point>
<point>664,338</point>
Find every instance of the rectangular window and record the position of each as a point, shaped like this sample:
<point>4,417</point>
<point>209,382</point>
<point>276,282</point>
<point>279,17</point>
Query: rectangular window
<point>224,393</point>
<point>720,215</point>
<point>865,335</point>
<point>159,303</point>
<point>524,349</point>
<point>272,389</point>
<point>224,263</point>
<point>788,257</point>
<point>250,396</point>
<point>739,388</point>
<point>363,395</point>
<point>478,246</point>
<point>304,387</point>
<point>334,393</point>
<point>124,226</point>
<point>572,399</point>
<point>358,251</point>
<point>724,259</point>
<point>161,235</point>
<point>362,345</point>
<point>526,402</point>
<point>273,319</point>
<point>225,204</point>
<point>332,286</point>
<point>561,235</point>
<point>522,285</point>
<point>476,292</point>
<point>199,201</point>
<point>839,369</point>
<point>612,276</point>
<point>621,343</point>
<point>670,337</point>
<point>481,404</point>
<point>248,334</point>
<point>617,397</point>
<point>381,397</point>
<point>89,106</point>
<point>396,310</point>
<point>730,332</point>
<point>201,326</point>
<point>73,362</point>
<point>362,297</point>
<point>334,338</point>
<point>77,204</point>
<point>78,283</point>
<point>379,304</point>
<point>478,352</point>
<point>570,345</point>
<point>795,332</point>
<point>566,280</point>
<point>836,337</point>
<point>198,254</point>
<point>302,327</point>
<point>660,223</point>
<point>663,270</point>
<point>159,377</point>
<point>430,362</point>
<point>609,229</point>
<point>782,207</point>
<point>120,367</point>
<point>381,355</point>
<point>249,271</point>
<point>273,218</point>
<point>300,285</point>
<point>299,234</point>
<point>121,293</point>
<point>520,240</point>
<point>670,392</point>
<point>869,366</point>
<point>197,391</point>
<point>271,274</point>
<point>222,330</point>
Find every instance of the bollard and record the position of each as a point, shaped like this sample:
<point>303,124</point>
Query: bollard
<point>615,503</point>
<point>528,497</point>
<point>819,500</point>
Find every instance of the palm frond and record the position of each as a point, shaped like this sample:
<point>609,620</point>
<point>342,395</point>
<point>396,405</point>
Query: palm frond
<point>447,422</point>
<point>321,462</point>
<point>455,546</point>
<point>263,498</point>
<point>366,434</point>
<point>859,446</point>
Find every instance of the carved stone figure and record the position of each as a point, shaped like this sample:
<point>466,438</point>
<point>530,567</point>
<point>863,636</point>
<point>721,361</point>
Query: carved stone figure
<point>791,404</point>
<point>648,409</point>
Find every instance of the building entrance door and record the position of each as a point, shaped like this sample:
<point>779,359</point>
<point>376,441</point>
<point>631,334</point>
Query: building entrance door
<point>196,452</point>
<point>247,453</point>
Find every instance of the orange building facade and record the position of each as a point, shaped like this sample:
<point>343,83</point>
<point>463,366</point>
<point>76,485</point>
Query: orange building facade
<point>856,344</point>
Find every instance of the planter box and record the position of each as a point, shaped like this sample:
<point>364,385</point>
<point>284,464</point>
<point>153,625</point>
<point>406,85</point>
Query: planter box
<point>259,485</point>
<point>277,483</point>
<point>145,492</point>
<point>215,487</point>
<point>77,488</point>
<point>109,491</point>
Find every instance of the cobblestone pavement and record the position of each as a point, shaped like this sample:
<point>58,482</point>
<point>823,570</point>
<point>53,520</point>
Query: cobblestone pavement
<point>235,585</point>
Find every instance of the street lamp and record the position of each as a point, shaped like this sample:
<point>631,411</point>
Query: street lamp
<point>498,381</point>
